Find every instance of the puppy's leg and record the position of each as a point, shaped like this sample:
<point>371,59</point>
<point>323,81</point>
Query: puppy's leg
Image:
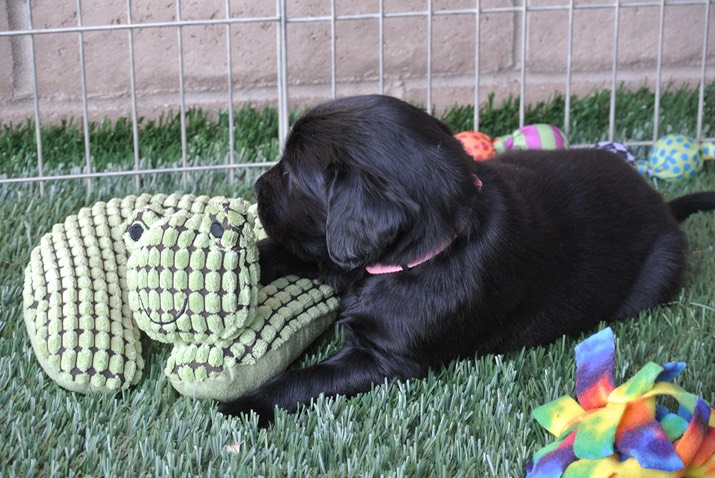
<point>351,371</point>
<point>660,276</point>
<point>277,261</point>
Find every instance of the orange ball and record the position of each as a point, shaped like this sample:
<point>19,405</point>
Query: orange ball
<point>478,145</point>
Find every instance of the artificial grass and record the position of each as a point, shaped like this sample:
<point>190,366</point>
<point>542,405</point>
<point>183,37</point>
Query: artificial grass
<point>469,419</point>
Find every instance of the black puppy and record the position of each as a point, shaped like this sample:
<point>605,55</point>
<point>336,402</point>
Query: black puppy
<point>437,256</point>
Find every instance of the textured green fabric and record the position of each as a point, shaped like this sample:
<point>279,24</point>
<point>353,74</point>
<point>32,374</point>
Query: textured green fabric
<point>291,313</point>
<point>187,285</point>
<point>184,270</point>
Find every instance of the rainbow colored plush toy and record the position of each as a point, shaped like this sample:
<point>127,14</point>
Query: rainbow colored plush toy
<point>534,136</point>
<point>676,156</point>
<point>620,432</point>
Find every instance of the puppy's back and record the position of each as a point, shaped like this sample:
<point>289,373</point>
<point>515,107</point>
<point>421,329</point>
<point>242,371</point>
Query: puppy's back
<point>591,237</point>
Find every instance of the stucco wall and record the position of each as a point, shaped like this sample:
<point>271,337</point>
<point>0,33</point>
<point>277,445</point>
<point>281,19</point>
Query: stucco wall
<point>254,65</point>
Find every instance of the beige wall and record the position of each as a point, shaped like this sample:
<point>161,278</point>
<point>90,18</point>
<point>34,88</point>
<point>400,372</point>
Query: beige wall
<point>254,67</point>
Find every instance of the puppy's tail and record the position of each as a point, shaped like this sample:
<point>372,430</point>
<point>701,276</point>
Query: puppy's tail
<point>684,206</point>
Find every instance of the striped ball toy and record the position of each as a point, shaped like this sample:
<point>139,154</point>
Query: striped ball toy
<point>534,136</point>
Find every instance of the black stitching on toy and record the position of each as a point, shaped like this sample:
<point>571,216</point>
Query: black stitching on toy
<point>177,316</point>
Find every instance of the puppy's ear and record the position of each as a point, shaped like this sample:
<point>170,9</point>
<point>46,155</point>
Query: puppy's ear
<point>365,214</point>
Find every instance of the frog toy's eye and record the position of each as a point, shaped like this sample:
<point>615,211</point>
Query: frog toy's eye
<point>216,229</point>
<point>141,221</point>
<point>136,231</point>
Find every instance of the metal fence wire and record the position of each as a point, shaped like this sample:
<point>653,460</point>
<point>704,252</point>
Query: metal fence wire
<point>523,10</point>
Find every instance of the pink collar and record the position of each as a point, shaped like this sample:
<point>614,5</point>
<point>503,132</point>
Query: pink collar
<point>383,269</point>
<point>386,269</point>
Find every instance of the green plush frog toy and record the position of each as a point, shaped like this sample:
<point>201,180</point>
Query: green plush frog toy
<point>182,269</point>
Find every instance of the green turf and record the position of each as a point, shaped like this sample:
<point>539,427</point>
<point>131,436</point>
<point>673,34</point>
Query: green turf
<point>469,419</point>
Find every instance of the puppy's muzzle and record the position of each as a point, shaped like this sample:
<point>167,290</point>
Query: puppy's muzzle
<point>265,183</point>
<point>260,186</point>
<point>256,188</point>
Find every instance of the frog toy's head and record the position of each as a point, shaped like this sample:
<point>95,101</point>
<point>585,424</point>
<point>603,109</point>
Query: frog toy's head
<point>193,277</point>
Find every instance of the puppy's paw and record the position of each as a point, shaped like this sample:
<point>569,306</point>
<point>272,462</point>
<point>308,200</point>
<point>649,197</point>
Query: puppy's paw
<point>247,404</point>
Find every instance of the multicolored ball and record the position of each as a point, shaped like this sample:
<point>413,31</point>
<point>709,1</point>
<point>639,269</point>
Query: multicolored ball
<point>534,136</point>
<point>707,149</point>
<point>619,149</point>
<point>478,145</point>
<point>673,157</point>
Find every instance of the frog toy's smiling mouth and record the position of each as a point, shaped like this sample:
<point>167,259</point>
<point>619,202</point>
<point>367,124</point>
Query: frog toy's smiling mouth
<point>176,316</point>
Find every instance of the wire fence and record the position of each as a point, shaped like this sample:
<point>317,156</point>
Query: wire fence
<point>281,19</point>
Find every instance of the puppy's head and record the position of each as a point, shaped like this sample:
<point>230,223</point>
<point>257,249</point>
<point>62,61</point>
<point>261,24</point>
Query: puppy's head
<point>366,179</point>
